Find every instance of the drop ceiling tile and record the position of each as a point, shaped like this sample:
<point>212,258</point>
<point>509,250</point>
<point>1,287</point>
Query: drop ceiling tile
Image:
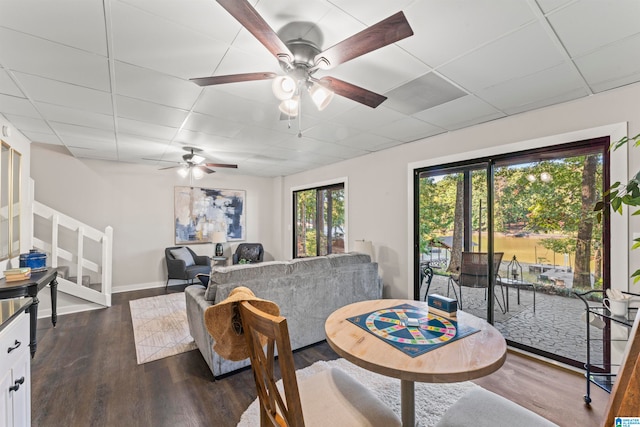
<point>143,111</point>
<point>408,129</point>
<point>54,92</point>
<point>365,141</point>
<point>43,137</point>
<point>150,130</point>
<point>17,106</point>
<point>197,139</point>
<point>229,107</point>
<point>534,88</point>
<point>612,66</point>
<point>26,53</point>
<point>76,133</point>
<point>331,132</point>
<point>7,86</point>
<point>381,70</point>
<point>148,85</point>
<point>545,102</point>
<point>212,125</point>
<point>524,52</point>
<point>550,5</point>
<point>375,10</point>
<point>342,151</point>
<point>57,113</point>
<point>444,30</point>
<point>587,25</point>
<point>460,113</point>
<point>134,146</point>
<point>368,118</point>
<point>26,124</point>
<point>78,24</point>
<point>204,16</point>
<point>91,150</point>
<point>261,137</point>
<point>152,42</point>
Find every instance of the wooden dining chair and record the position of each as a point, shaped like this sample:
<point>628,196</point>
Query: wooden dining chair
<point>328,398</point>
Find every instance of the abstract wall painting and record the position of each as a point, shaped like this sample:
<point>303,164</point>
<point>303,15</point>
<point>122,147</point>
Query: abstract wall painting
<point>199,212</point>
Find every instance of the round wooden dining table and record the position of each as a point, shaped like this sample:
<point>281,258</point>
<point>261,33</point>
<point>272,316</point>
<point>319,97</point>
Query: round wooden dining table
<point>467,358</point>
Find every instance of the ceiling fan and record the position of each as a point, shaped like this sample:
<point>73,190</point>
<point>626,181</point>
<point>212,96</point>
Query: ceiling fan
<point>300,59</point>
<point>195,162</point>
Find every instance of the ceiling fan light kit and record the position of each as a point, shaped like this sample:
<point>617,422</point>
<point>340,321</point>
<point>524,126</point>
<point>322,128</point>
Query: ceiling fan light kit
<point>300,59</point>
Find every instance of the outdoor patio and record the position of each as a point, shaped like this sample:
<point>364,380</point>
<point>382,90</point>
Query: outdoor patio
<point>557,326</point>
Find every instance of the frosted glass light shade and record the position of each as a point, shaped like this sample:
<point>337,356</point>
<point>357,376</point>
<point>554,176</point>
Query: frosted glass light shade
<point>283,87</point>
<point>290,107</point>
<point>197,173</point>
<point>183,172</point>
<point>321,96</point>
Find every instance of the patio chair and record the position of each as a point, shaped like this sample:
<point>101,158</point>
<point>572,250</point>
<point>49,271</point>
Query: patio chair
<point>474,273</point>
<point>330,397</point>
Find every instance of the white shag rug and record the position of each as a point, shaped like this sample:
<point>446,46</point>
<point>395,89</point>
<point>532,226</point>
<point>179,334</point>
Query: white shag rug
<point>160,327</point>
<point>432,400</point>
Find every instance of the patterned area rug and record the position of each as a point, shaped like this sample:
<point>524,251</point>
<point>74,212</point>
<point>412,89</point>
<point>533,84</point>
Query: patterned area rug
<point>432,400</point>
<point>160,327</point>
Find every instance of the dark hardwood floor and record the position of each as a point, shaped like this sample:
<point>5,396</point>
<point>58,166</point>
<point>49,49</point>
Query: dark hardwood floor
<point>85,374</point>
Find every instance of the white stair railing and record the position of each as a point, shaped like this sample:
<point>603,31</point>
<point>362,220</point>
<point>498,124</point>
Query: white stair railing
<point>97,293</point>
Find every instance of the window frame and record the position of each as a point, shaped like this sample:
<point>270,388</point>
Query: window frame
<point>318,187</point>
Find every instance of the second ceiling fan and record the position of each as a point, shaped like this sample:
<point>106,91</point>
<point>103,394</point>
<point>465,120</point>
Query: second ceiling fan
<point>300,59</point>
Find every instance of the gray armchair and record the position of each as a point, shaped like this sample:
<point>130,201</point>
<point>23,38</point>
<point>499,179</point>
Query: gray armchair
<point>184,264</point>
<point>250,252</point>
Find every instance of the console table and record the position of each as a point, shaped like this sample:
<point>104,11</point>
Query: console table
<point>30,288</point>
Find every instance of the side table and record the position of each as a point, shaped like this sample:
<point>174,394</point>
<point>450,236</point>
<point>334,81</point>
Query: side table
<point>220,260</point>
<point>30,288</point>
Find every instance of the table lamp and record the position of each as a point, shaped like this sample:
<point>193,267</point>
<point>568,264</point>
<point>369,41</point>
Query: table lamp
<point>363,247</point>
<point>219,237</point>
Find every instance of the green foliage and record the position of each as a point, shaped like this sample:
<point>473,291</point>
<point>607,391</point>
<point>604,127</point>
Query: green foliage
<point>563,245</point>
<point>619,194</point>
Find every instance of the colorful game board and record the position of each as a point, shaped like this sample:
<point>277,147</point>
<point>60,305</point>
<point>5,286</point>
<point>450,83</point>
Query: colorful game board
<point>392,326</point>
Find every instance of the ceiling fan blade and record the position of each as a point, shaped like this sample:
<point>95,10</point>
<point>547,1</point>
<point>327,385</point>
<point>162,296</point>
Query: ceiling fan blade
<point>169,167</point>
<point>385,32</point>
<point>232,78</point>
<point>353,92</point>
<point>221,165</point>
<point>246,15</point>
<point>205,169</point>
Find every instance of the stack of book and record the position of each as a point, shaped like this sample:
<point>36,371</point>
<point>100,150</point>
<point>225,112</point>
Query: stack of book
<point>442,306</point>
<point>16,274</point>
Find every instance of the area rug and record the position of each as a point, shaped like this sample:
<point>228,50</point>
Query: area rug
<point>432,400</point>
<point>160,327</point>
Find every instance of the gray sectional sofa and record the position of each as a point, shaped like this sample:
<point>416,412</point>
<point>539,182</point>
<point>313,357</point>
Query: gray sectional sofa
<point>307,291</point>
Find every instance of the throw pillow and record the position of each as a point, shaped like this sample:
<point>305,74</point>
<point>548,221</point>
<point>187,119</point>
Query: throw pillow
<point>183,254</point>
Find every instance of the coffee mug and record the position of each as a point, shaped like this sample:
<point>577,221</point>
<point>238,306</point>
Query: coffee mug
<point>617,307</point>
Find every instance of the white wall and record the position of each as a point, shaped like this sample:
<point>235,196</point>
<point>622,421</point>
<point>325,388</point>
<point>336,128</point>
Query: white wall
<point>379,189</point>
<point>137,201</point>
<point>22,145</point>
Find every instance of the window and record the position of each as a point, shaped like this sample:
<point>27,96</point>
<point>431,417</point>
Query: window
<point>319,221</point>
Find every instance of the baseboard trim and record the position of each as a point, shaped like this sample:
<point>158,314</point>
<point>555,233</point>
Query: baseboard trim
<point>137,287</point>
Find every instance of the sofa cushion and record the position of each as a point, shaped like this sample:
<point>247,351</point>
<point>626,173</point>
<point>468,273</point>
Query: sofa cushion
<point>338,260</point>
<point>241,273</point>
<point>183,254</point>
<point>306,265</point>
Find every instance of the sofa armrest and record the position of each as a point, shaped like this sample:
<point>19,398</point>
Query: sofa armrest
<point>196,306</point>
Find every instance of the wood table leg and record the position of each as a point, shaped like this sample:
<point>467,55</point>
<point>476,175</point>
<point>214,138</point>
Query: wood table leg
<point>54,301</point>
<point>407,403</point>
<point>33,317</point>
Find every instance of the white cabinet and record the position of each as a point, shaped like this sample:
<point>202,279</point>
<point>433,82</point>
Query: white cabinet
<point>15,372</point>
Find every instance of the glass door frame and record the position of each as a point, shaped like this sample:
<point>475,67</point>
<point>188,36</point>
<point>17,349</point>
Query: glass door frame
<point>541,153</point>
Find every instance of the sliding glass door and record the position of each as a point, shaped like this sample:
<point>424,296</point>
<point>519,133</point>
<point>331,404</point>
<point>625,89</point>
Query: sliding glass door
<point>531,213</point>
